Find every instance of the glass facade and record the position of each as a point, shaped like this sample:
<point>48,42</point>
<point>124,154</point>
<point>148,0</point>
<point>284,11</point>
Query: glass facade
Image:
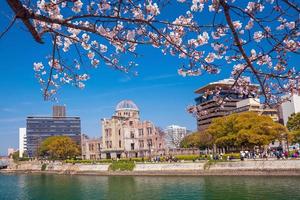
<point>223,94</point>
<point>40,128</point>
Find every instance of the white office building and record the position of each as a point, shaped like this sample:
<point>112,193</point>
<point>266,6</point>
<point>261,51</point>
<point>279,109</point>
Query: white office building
<point>289,107</point>
<point>22,141</point>
<point>174,135</point>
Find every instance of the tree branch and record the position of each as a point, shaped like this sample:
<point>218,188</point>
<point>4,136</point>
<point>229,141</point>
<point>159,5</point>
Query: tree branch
<point>22,13</point>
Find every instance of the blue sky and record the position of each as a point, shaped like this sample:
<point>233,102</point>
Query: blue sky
<point>158,91</point>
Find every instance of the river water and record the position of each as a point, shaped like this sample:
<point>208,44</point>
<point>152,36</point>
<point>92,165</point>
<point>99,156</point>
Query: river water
<point>65,187</point>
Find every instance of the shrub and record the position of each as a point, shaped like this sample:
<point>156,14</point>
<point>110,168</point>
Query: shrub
<point>44,166</point>
<point>104,161</point>
<point>232,155</point>
<point>206,157</point>
<point>88,161</point>
<point>188,157</point>
<point>122,166</point>
<point>134,159</point>
<point>24,159</point>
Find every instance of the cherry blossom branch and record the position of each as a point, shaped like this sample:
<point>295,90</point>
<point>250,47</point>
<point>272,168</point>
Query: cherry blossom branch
<point>23,14</point>
<point>46,95</point>
<point>292,5</point>
<point>8,27</point>
<point>255,37</point>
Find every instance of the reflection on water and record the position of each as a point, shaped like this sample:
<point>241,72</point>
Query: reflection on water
<point>46,187</point>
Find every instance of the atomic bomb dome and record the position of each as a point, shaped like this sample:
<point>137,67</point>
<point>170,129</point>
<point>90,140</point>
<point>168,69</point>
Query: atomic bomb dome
<point>126,105</point>
<point>124,135</point>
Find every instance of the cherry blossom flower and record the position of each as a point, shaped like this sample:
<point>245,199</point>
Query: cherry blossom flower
<point>258,36</point>
<point>237,24</point>
<point>77,6</point>
<point>81,85</point>
<point>152,9</point>
<point>38,66</point>
<point>210,58</point>
<point>197,5</point>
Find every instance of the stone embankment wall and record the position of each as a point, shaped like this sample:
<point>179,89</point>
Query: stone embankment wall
<point>169,166</point>
<point>257,165</point>
<point>250,167</point>
<point>59,167</point>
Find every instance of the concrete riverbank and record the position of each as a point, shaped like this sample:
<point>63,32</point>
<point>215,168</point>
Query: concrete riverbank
<point>202,168</point>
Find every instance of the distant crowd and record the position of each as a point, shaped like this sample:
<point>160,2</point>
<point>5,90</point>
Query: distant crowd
<point>274,153</point>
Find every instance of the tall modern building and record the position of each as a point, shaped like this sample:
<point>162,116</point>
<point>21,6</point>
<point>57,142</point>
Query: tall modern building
<point>289,107</point>
<point>235,103</point>
<point>59,111</point>
<point>174,135</point>
<point>22,142</point>
<point>39,128</point>
<point>125,135</point>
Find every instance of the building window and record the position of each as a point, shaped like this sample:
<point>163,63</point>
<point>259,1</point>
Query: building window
<point>149,130</point>
<point>119,132</point>
<point>130,123</point>
<point>120,144</point>
<point>131,134</point>
<point>132,146</point>
<point>107,132</point>
<point>149,142</point>
<point>141,143</point>
<point>108,144</point>
<point>91,147</point>
<point>141,132</point>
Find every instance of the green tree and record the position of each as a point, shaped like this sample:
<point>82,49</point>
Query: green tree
<point>295,136</point>
<point>15,156</point>
<point>245,130</point>
<point>59,147</point>
<point>293,125</point>
<point>200,140</point>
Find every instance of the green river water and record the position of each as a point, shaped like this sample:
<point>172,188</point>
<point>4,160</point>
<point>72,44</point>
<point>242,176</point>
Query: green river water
<point>61,187</point>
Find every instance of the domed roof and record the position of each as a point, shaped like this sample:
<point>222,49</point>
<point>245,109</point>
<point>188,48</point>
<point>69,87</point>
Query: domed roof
<point>126,105</point>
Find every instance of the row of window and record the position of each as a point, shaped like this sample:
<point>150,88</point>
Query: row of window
<point>53,121</point>
<point>93,147</point>
<point>228,94</point>
<point>108,144</point>
<point>108,132</point>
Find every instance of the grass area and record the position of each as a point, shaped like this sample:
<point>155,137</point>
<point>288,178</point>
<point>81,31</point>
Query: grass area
<point>122,166</point>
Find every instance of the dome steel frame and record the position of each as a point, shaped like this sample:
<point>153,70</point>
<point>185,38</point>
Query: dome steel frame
<point>126,105</point>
